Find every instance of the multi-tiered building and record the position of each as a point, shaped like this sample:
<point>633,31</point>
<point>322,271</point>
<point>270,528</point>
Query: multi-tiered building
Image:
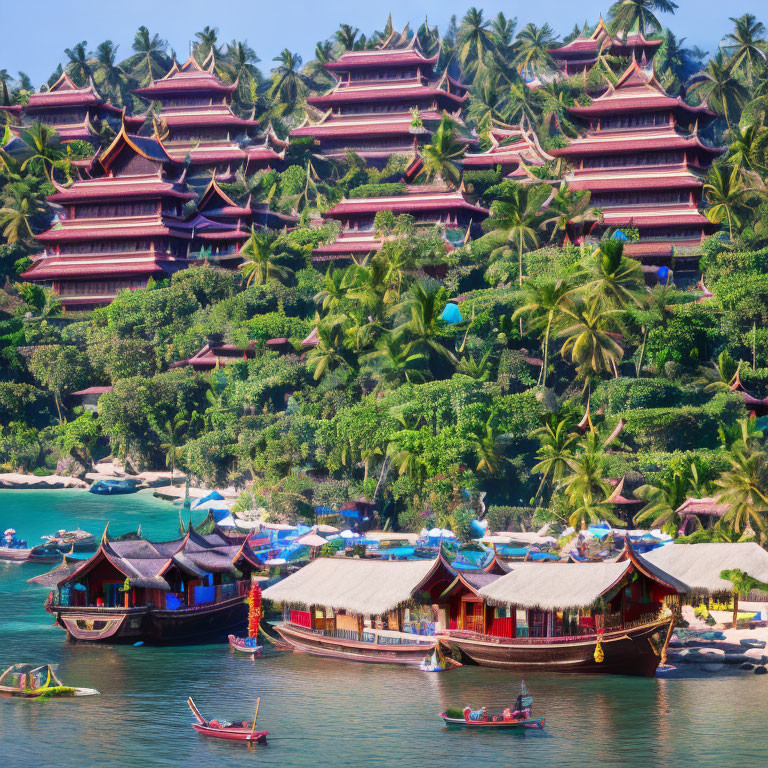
<point>197,124</point>
<point>643,160</point>
<point>512,150</point>
<point>370,109</point>
<point>75,113</point>
<point>582,53</point>
<point>429,205</point>
<point>121,226</point>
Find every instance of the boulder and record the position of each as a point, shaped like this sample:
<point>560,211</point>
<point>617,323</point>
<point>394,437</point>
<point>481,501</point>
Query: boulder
<point>747,665</point>
<point>752,642</point>
<point>761,670</point>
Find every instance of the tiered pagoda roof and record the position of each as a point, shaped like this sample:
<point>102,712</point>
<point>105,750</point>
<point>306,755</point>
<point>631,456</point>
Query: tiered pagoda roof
<point>121,226</point>
<point>196,121</point>
<point>643,160</point>
<point>369,108</point>
<point>512,149</point>
<point>71,110</point>
<point>428,204</point>
<point>582,52</point>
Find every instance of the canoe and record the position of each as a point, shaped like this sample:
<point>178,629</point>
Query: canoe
<point>244,645</point>
<point>237,731</point>
<point>29,682</point>
<point>113,487</point>
<point>14,555</point>
<point>531,722</point>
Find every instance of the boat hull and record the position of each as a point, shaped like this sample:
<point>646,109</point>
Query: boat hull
<point>232,734</point>
<point>531,722</point>
<point>14,555</point>
<point>198,624</point>
<point>634,651</point>
<point>305,641</point>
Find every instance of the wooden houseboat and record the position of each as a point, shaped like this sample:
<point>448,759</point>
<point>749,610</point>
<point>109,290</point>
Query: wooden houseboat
<point>184,591</point>
<point>573,617</point>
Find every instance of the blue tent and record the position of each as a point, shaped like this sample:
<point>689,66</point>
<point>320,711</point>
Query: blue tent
<point>212,496</point>
<point>619,235</point>
<point>451,314</point>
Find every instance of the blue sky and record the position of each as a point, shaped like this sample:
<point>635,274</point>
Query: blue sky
<point>37,33</point>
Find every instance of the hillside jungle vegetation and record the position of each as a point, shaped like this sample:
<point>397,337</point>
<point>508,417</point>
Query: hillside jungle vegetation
<point>394,404</point>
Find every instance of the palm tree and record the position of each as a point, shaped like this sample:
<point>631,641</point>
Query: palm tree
<point>289,86</point>
<point>21,210</point>
<point>78,66</point>
<point>748,148</point>
<point>421,308</point>
<point>638,15</point>
<point>240,66</point>
<point>503,30</point>
<point>517,215</point>
<point>746,45</point>
<point>392,363</point>
<point>615,279</point>
<point>589,345</point>
<point>5,96</point>
<point>259,252</point>
<point>474,41</point>
<point>719,374</point>
<point>107,73</point>
<point>316,68</point>
<point>150,61</point>
<point>743,584</point>
<point>663,498</point>
<point>542,300</point>
<point>742,489</point>
<point>346,36</point>
<point>524,102</point>
<point>335,284</point>
<point>42,148</point>
<point>585,487</point>
<point>556,441</point>
<point>206,43</point>
<point>533,45</point>
<point>171,433</point>
<point>488,103</point>
<point>719,87</point>
<point>487,444</point>
<point>724,193</point>
<point>441,157</point>
<point>330,350</point>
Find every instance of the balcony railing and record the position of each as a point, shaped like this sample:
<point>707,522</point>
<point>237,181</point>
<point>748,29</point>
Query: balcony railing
<point>374,637</point>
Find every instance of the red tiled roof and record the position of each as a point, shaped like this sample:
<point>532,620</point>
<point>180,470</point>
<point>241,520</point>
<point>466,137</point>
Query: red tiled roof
<point>223,118</point>
<point>105,188</point>
<point>639,180</point>
<point>416,92</point>
<point>429,200</point>
<point>380,126</point>
<point>350,60</point>
<point>82,269</point>
<point>92,391</point>
<point>613,142</point>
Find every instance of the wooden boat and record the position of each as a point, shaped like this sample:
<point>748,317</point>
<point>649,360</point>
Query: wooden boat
<point>372,645</point>
<point>29,682</point>
<point>518,716</point>
<point>244,645</point>
<point>237,731</point>
<point>628,650</point>
<point>12,549</point>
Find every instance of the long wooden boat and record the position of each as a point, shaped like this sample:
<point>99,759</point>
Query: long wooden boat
<point>189,624</point>
<point>29,682</point>
<point>15,554</point>
<point>531,722</point>
<point>374,645</point>
<point>630,650</point>
<point>237,731</point>
<point>244,645</point>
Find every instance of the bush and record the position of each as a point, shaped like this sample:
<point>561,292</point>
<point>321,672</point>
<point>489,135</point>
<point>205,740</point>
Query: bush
<point>377,190</point>
<point>503,518</point>
<point>617,395</point>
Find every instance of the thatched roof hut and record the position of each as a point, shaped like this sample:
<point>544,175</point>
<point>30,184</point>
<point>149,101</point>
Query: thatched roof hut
<point>363,587</point>
<point>698,566</point>
<point>555,586</point>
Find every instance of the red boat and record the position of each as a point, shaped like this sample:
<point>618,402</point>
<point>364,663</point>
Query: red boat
<point>237,731</point>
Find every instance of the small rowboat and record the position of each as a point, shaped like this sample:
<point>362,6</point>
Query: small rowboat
<point>518,716</point>
<point>237,731</point>
<point>244,645</point>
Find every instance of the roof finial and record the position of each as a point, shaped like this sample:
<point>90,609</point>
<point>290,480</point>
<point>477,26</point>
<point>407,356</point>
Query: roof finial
<point>104,535</point>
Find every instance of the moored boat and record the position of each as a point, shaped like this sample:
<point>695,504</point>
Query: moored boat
<point>236,731</point>
<point>30,682</point>
<point>13,549</point>
<point>63,542</point>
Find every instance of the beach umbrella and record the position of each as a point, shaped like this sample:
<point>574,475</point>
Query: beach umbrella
<point>310,540</point>
<point>423,532</point>
<point>349,535</point>
<point>326,528</point>
<point>212,496</point>
<point>663,274</point>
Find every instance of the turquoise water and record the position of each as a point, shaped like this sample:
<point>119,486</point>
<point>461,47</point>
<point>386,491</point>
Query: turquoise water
<point>322,712</point>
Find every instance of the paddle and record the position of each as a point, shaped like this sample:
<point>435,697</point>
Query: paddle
<point>258,701</point>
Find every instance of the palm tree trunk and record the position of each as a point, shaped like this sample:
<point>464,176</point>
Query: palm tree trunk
<point>58,406</point>
<point>735,608</point>
<point>639,367</point>
<point>546,348</point>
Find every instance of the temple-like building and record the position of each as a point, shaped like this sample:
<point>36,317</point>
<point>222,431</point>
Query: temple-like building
<point>371,108</point>
<point>643,160</point>
<point>512,149</point>
<point>74,112</point>
<point>429,205</point>
<point>196,122</point>
<point>121,226</point>
<point>582,53</point>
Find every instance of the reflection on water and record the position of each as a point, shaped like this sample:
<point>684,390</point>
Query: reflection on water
<point>324,712</point>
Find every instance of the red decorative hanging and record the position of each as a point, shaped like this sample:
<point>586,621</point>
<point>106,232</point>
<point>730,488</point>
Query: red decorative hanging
<point>254,610</point>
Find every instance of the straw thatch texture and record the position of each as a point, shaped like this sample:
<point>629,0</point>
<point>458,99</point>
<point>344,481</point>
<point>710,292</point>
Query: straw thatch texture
<point>554,586</point>
<point>366,587</point>
<point>698,566</point>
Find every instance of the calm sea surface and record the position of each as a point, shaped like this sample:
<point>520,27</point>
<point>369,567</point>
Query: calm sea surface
<point>322,712</point>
